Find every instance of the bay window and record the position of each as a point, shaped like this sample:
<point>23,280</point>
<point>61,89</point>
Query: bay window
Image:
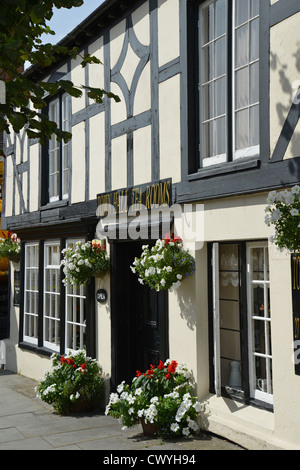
<point>241,321</point>
<point>53,314</point>
<point>228,80</point>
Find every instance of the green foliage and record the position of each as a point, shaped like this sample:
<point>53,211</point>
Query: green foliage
<point>72,380</point>
<point>162,396</point>
<point>22,23</point>
<point>165,265</point>
<point>283,212</point>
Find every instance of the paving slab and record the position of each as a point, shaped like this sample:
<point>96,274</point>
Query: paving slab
<point>27,423</point>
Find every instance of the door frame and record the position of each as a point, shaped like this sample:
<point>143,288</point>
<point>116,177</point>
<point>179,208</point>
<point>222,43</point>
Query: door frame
<point>114,311</point>
<point>214,330</point>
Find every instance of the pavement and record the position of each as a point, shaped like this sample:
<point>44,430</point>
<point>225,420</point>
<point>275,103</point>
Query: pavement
<point>27,423</point>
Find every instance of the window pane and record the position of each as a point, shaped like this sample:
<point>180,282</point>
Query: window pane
<point>254,39</point>
<point>242,88</point>
<point>208,23</point>
<point>208,63</point>
<point>254,8</point>
<point>254,126</point>
<point>254,83</point>
<point>220,136</point>
<point>241,11</point>
<point>220,17</point>
<point>220,57</point>
<point>208,103</point>
<point>220,97</point>
<point>242,46</point>
<point>242,129</point>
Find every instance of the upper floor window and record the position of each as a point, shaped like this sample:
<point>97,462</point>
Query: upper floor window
<point>228,80</point>
<point>59,152</point>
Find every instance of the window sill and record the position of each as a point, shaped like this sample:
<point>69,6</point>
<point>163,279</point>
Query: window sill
<point>225,168</point>
<point>55,205</point>
<point>36,349</point>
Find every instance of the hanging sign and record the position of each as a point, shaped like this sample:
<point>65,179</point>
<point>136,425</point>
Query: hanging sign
<point>295,266</point>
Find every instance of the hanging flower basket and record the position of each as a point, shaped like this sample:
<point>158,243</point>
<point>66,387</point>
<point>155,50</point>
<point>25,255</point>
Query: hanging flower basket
<point>10,246</point>
<point>85,260</point>
<point>165,265</point>
<point>283,212</point>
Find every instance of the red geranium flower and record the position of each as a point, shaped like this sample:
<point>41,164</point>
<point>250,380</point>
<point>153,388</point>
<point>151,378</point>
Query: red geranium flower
<point>161,365</point>
<point>172,367</point>
<point>138,373</point>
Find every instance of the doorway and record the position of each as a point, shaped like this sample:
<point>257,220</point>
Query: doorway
<point>139,317</point>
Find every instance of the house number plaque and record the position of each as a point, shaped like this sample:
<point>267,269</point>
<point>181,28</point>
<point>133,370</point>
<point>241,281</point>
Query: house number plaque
<point>101,296</point>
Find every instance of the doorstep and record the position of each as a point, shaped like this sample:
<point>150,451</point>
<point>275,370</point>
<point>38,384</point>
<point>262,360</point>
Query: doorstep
<point>250,427</point>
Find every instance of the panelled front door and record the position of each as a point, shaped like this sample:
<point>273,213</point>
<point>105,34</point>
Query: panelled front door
<point>139,317</point>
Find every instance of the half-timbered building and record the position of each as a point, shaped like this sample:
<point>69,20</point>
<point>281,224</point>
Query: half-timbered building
<point>206,119</point>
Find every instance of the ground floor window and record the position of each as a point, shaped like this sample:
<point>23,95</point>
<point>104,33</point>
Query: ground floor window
<point>75,313</point>
<point>241,321</point>
<point>31,292</point>
<point>53,315</point>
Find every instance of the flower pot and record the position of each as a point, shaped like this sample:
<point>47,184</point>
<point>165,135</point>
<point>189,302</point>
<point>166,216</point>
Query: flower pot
<point>149,429</point>
<point>15,257</point>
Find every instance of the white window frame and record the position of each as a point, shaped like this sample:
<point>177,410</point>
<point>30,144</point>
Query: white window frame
<point>33,271</point>
<point>266,396</point>
<point>250,151</point>
<point>75,295</point>
<point>59,112</point>
<point>255,149</point>
<point>53,317</point>
<point>221,158</point>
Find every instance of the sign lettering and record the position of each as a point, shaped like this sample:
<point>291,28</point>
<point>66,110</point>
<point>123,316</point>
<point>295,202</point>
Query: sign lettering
<point>139,198</point>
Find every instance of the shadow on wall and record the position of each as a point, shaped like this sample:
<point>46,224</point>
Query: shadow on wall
<point>288,88</point>
<point>186,304</point>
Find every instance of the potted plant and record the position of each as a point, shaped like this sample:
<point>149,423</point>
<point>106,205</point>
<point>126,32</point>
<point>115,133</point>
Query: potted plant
<point>165,265</point>
<point>161,397</point>
<point>10,246</point>
<point>74,383</point>
<point>283,212</point>
<point>83,261</point>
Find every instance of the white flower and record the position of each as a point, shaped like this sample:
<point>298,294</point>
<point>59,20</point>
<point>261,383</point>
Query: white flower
<point>163,282</point>
<point>197,406</point>
<point>294,212</point>
<point>296,189</point>
<point>271,197</point>
<point>154,400</point>
<point>138,391</point>
<point>131,411</point>
<point>174,427</point>
<point>179,276</point>
<point>275,215</point>
<point>120,387</point>
<point>132,269</point>
<point>186,431</point>
<point>168,269</point>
